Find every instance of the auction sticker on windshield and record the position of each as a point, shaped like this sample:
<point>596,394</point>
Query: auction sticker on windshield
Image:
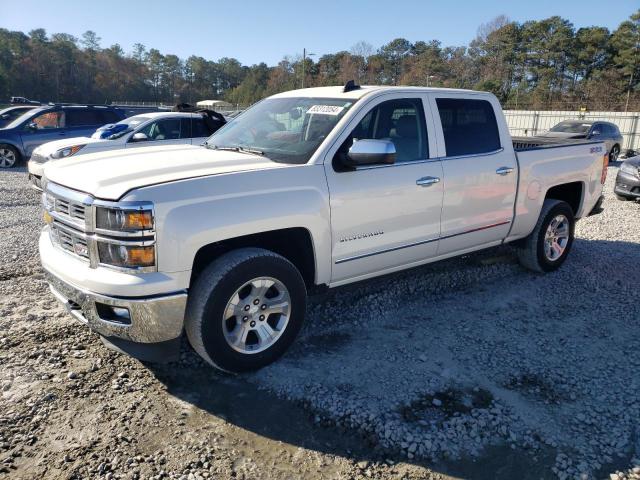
<point>326,109</point>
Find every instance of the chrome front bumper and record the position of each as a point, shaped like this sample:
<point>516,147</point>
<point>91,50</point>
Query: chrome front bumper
<point>154,319</point>
<point>36,182</point>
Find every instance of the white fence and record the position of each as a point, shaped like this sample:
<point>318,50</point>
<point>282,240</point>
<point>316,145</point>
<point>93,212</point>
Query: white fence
<point>531,122</point>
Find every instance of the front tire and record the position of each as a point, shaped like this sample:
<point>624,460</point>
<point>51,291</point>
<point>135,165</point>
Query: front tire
<point>245,309</point>
<point>548,246</point>
<point>623,198</point>
<point>9,156</point>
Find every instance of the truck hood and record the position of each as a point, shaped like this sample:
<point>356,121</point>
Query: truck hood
<point>48,148</point>
<point>109,175</point>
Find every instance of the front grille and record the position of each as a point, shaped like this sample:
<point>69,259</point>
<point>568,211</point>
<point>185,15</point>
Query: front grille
<point>68,240</point>
<point>71,218</point>
<point>73,210</point>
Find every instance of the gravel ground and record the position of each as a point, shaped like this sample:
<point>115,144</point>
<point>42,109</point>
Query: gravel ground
<point>469,368</point>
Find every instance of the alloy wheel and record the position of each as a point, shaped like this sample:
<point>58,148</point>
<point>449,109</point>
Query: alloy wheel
<point>556,238</point>
<point>7,158</point>
<point>256,315</point>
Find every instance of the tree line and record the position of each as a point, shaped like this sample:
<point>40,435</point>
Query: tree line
<point>545,64</point>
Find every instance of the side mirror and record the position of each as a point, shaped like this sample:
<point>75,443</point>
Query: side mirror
<point>139,137</point>
<point>32,126</point>
<point>595,133</point>
<point>371,152</point>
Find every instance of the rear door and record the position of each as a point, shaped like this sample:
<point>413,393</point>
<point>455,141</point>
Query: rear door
<point>384,217</point>
<point>83,121</point>
<point>480,171</point>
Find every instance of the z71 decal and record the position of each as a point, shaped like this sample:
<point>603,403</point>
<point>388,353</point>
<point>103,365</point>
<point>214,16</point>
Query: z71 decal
<point>595,150</point>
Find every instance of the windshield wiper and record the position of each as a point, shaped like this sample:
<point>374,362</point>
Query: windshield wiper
<point>251,151</point>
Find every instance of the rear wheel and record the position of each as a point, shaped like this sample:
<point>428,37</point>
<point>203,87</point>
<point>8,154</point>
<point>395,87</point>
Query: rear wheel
<point>548,246</point>
<point>9,156</point>
<point>614,153</point>
<point>623,198</point>
<point>245,309</point>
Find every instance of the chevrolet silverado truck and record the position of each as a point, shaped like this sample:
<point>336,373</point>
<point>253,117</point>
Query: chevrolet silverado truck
<point>306,190</point>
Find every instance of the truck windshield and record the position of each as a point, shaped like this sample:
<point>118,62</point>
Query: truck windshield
<point>571,127</point>
<point>287,130</point>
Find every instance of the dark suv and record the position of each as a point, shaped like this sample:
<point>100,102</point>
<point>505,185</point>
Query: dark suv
<point>48,123</point>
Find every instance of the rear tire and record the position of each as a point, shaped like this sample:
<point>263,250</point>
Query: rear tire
<point>229,320</point>
<point>9,156</point>
<point>548,246</point>
<point>623,198</point>
<point>614,153</point>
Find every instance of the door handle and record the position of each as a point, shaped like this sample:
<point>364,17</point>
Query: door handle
<point>504,171</point>
<point>427,181</point>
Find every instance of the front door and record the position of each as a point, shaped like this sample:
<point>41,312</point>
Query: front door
<point>384,217</point>
<point>48,126</point>
<point>166,131</point>
<point>481,173</point>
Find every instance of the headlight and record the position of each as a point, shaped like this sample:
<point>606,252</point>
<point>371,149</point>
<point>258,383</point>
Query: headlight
<point>67,152</point>
<point>630,168</point>
<point>126,256</point>
<point>124,220</point>
<point>131,228</point>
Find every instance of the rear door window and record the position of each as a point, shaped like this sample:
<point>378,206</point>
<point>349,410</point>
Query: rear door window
<point>469,126</point>
<point>200,128</point>
<point>79,118</point>
<point>109,116</point>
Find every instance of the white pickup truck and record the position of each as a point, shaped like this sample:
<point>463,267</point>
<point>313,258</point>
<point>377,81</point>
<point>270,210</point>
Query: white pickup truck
<point>307,189</point>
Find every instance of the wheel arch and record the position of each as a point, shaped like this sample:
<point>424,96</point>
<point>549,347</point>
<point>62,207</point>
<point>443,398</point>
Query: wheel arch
<point>295,244</point>
<point>571,193</point>
<point>14,145</point>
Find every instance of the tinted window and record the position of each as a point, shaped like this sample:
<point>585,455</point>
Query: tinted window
<point>200,128</point>
<point>469,126</point>
<point>167,129</point>
<point>109,116</point>
<point>76,118</point>
<point>185,128</point>
<point>402,122</point>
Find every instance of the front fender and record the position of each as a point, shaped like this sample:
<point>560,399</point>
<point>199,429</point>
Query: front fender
<point>197,212</point>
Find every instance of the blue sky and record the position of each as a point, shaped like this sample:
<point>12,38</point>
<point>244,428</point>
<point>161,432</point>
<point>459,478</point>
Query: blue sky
<point>254,31</point>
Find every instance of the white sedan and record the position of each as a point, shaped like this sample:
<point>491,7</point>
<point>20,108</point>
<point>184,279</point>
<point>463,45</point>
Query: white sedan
<point>158,128</point>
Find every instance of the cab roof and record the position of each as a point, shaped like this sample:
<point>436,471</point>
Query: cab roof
<point>338,91</point>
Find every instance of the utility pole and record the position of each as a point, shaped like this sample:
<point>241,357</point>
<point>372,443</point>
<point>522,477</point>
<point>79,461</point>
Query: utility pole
<point>304,61</point>
<point>626,105</point>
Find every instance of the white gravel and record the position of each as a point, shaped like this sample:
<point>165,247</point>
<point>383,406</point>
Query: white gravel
<point>459,362</point>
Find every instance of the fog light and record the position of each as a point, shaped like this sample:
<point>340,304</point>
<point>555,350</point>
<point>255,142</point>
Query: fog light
<point>113,314</point>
